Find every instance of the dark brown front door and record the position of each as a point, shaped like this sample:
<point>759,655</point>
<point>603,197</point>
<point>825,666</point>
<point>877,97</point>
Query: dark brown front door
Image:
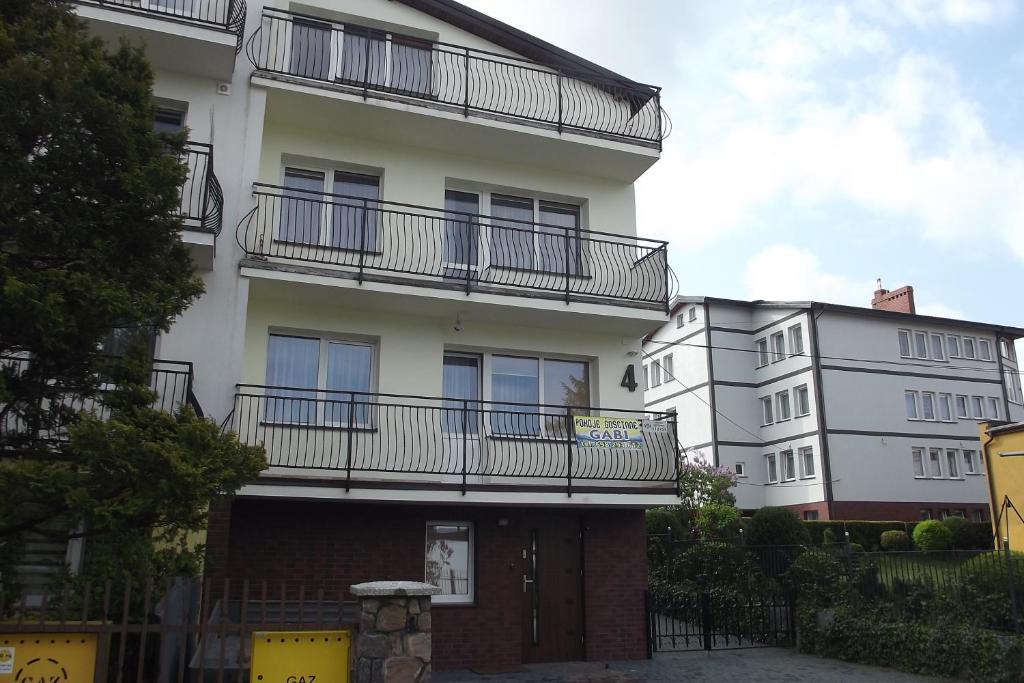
<point>552,589</point>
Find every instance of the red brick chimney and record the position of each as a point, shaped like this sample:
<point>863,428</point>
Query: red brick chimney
<point>900,300</point>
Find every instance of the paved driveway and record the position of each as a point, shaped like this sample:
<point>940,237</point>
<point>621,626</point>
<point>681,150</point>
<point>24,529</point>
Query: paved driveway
<point>760,665</point>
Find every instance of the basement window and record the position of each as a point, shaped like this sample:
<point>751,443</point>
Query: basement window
<point>448,561</point>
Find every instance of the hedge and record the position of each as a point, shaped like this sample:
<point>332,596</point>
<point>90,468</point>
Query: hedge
<point>972,535</point>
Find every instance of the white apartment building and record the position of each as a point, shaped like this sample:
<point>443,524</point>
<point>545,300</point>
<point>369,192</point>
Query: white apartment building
<point>416,226</point>
<point>837,412</point>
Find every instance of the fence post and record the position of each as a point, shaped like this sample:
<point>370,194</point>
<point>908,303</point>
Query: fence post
<point>1014,598</point>
<point>706,627</point>
<point>348,458</point>
<point>848,551</point>
<point>650,624</point>
<point>569,438</point>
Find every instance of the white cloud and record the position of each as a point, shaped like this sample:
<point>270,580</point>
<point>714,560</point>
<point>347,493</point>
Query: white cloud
<point>925,13</point>
<point>941,310</point>
<point>787,273</point>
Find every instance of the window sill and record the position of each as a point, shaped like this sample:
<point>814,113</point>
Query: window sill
<point>809,476</point>
<point>434,604</point>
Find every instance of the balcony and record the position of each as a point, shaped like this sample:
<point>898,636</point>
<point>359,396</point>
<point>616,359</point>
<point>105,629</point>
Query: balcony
<point>374,445</point>
<point>200,37</point>
<point>202,204</point>
<point>356,242</point>
<point>444,86</point>
<point>172,382</point>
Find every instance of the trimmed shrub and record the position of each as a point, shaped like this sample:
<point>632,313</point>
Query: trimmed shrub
<point>956,526</point>
<point>893,540</point>
<point>932,535</point>
<point>816,577</point>
<point>970,535</point>
<point>867,533</point>
<point>986,583</point>
<point>660,520</point>
<point>717,521</point>
<point>714,566</point>
<point>776,526</point>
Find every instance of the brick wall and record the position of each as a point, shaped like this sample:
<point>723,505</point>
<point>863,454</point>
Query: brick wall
<point>820,507</point>
<point>334,545</point>
<point>904,511</point>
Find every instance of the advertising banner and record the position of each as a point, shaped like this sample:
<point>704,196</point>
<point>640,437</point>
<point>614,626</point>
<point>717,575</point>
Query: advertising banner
<point>608,432</point>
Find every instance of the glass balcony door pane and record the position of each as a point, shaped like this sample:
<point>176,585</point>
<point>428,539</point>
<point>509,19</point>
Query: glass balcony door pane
<point>461,232</point>
<point>301,207</point>
<point>364,56</point>
<point>349,372</point>
<point>558,247</point>
<point>515,381</point>
<point>461,390</point>
<point>512,232</point>
<point>355,212</point>
<point>292,362</point>
<point>566,383</point>
<point>310,55</point>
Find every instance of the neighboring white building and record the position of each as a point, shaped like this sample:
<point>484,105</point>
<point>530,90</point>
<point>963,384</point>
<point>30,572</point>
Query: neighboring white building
<point>836,411</point>
<point>428,255</point>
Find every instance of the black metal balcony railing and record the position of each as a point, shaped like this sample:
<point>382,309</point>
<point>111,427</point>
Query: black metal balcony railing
<point>463,442</point>
<point>470,252</point>
<point>172,381</point>
<point>202,200</point>
<point>228,15</point>
<point>459,78</point>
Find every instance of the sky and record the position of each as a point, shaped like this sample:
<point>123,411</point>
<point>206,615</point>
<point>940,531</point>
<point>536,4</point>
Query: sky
<point>817,146</point>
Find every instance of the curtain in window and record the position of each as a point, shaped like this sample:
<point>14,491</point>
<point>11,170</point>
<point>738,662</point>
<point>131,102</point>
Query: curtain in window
<point>512,232</point>
<point>310,50</point>
<point>348,379</point>
<point>292,362</point>
<point>515,381</point>
<point>411,65</point>
<point>301,209</point>
<point>461,388</point>
<point>364,56</point>
<point>558,248</point>
<point>566,383</point>
<point>461,231</point>
<point>355,212</point>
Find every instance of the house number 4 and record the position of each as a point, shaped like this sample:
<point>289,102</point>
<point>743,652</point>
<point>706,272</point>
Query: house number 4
<point>629,379</point>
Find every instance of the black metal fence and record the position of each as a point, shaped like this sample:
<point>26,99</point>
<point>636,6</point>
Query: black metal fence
<point>708,620</point>
<point>470,252</point>
<point>469,81</point>
<point>178,630</point>
<point>228,15</point>
<point>202,199</point>
<point>467,443</point>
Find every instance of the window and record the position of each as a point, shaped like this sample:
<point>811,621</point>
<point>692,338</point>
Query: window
<point>806,462</point>
<point>961,406</point>
<point>692,313</point>
<point>773,473</point>
<point>904,336</point>
<point>803,400</point>
<point>527,234</point>
<point>655,374</point>
<point>461,388</point>
<point>913,412</point>
<point>992,408</point>
<point>449,561</point>
<point>680,320</point>
<point>935,463</point>
<point>969,347</point>
<point>778,347</point>
<point>920,345</point>
<point>977,516</point>
<point>667,367</point>
<point>782,406</point>
<point>762,352</point>
<point>1007,350</point>
<point>977,408</point>
<point>953,463</point>
<point>811,515</point>
<point>1013,386</point>
<point>970,464</point>
<point>984,349</point>
<point>647,377</point>
<point>168,120</point>
<point>328,381</point>
<point>953,344</point>
<point>927,405</point>
<point>925,515</point>
<point>796,339</point>
<point>461,243</point>
<point>788,465</point>
<point>741,469</point>
<point>938,351</point>
<point>350,221</point>
<point>946,407</point>
<point>918,458</point>
<point>766,411</point>
<point>519,384</point>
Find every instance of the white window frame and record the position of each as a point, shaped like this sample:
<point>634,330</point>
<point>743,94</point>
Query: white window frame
<point>805,390</point>
<point>908,336</point>
<point>953,463</point>
<point>806,455</point>
<point>778,346</point>
<point>947,401</point>
<point>1007,349</point>
<point>692,314</point>
<point>938,461</point>
<point>771,463</point>
<point>970,462</point>
<point>919,462</point>
<point>973,343</point>
<point>763,352</point>
<point>991,408</point>
<point>1013,386</point>
<point>470,597</point>
<point>788,460</point>
<point>782,399</point>
<point>977,407</point>
<point>740,468</point>
<point>917,351</point>
<point>647,377</point>
<point>679,321</point>
<point>655,374</point>
<point>767,411</point>
<point>667,367</point>
<point>487,369</point>
<point>951,341</point>
<point>928,398</point>
<point>916,398</point>
<point>984,349</point>
<point>796,339</point>
<point>326,209</point>
<point>936,348</point>
<point>963,401</point>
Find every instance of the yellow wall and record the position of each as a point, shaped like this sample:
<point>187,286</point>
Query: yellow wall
<point>1004,464</point>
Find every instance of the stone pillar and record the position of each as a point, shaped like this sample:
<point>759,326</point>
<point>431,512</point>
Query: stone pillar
<point>393,642</point>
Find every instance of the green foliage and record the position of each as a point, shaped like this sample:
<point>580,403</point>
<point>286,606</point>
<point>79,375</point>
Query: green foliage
<point>947,649</point>
<point>969,535</point>
<point>660,521</point>
<point>932,535</point>
<point>776,526</point>
<point>867,533</point>
<point>713,566</point>
<point>817,577</point>
<point>701,484</point>
<point>986,583</point>
<point>894,540</point>
<point>828,537</point>
<point>718,521</point>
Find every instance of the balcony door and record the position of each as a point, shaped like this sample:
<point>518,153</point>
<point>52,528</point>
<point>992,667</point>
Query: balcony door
<point>461,387</point>
<point>535,235</point>
<point>461,235</point>
<point>348,218</point>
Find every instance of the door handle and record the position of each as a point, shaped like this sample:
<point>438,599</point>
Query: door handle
<point>526,581</point>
